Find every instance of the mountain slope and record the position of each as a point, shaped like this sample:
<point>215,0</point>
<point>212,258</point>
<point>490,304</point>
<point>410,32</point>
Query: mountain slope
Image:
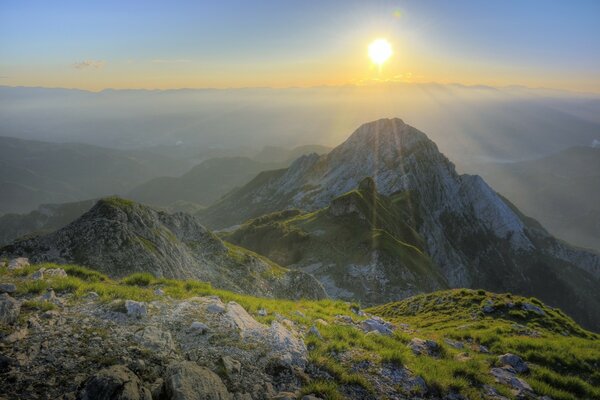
<point>562,191</point>
<point>361,247</point>
<point>475,237</point>
<point>119,237</point>
<point>203,184</point>
<point>126,338</point>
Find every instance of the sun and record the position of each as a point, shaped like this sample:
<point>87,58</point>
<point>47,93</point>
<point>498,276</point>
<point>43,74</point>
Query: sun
<point>380,50</point>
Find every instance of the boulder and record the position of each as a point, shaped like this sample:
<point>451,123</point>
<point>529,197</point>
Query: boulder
<point>239,318</point>
<point>513,361</point>
<point>8,288</point>
<point>231,365</point>
<point>378,325</point>
<point>215,308</point>
<point>533,308</point>
<point>187,380</point>
<point>262,312</point>
<point>18,263</point>
<point>114,383</point>
<point>424,347</point>
<point>155,339</point>
<point>287,347</point>
<point>9,309</point>
<point>199,327</point>
<point>55,273</point>
<point>508,377</point>
<point>136,309</point>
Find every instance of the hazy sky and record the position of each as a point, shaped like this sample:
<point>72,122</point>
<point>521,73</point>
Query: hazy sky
<point>174,44</point>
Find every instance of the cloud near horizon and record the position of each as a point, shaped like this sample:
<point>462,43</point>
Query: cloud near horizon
<point>85,64</point>
<point>170,61</point>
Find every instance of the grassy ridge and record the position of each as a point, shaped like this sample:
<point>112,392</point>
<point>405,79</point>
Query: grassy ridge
<point>564,358</point>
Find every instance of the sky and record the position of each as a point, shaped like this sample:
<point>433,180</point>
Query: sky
<point>223,44</point>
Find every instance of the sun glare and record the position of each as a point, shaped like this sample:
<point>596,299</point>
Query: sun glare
<point>380,51</point>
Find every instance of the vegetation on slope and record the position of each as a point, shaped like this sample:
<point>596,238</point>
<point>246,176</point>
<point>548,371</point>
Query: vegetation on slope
<point>361,247</point>
<point>563,357</point>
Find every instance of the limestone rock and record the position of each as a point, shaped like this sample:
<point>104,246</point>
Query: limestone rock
<point>231,365</point>
<point>9,309</point>
<point>378,325</point>
<point>508,377</point>
<point>155,339</point>
<point>514,361</point>
<point>8,288</point>
<point>136,308</point>
<point>199,327</point>
<point>424,347</point>
<point>187,380</point>
<point>18,263</point>
<point>114,383</point>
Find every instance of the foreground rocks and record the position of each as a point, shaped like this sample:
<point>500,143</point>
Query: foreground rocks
<point>9,309</point>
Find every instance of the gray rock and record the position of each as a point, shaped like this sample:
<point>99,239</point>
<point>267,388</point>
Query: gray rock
<point>284,396</point>
<point>231,365</point>
<point>424,347</point>
<point>136,308</point>
<point>49,295</point>
<point>286,346</point>
<point>199,327</point>
<point>92,295</point>
<point>377,325</point>
<point>215,308</point>
<point>186,380</point>
<point>533,308</point>
<point>114,383</point>
<point>9,309</point>
<point>39,274</point>
<point>315,331</point>
<point>8,288</point>
<point>155,339</point>
<point>18,263</point>
<point>506,376</point>
<point>262,312</point>
<point>159,292</point>
<point>513,361</point>
<point>454,343</point>
<point>55,273</point>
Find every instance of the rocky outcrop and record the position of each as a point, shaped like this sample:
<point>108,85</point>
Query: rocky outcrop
<point>9,309</point>
<point>119,237</point>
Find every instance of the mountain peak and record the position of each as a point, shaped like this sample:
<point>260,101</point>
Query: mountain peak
<point>386,131</point>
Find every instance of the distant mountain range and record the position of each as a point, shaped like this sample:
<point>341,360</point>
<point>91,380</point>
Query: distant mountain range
<point>474,237</point>
<point>208,181</point>
<point>35,172</point>
<point>562,191</point>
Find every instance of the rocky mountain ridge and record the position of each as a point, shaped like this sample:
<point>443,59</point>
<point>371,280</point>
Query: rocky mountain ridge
<point>476,237</point>
<point>120,237</point>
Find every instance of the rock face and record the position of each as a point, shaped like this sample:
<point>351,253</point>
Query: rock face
<point>119,237</point>
<point>475,237</point>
